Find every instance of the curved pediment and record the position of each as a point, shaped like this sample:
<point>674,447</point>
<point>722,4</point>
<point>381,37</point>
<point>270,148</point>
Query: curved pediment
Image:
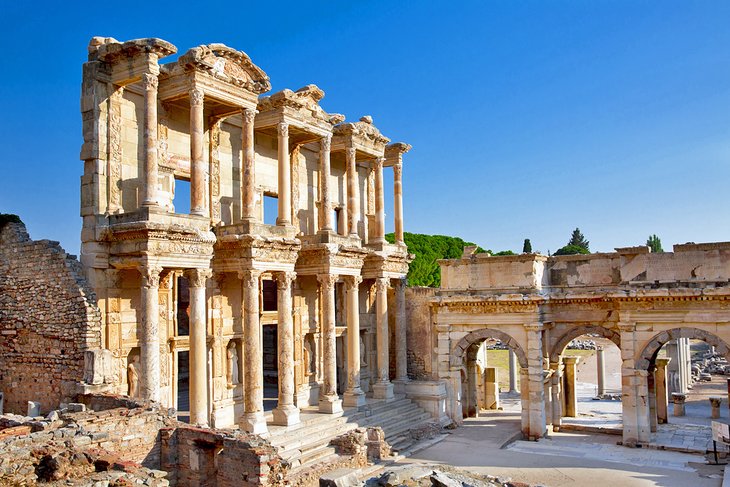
<point>304,99</point>
<point>363,128</point>
<point>227,64</point>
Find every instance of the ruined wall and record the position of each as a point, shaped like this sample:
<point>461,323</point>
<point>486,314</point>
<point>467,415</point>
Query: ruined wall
<point>48,318</point>
<point>420,333</point>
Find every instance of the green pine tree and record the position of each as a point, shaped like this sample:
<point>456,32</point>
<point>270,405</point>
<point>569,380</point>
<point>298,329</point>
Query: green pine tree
<point>654,243</point>
<point>527,247</point>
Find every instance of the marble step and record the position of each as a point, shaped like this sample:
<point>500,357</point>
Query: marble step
<point>307,457</point>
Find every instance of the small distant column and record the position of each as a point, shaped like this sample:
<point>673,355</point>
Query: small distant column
<point>198,200</point>
<point>198,347</point>
<point>662,396</point>
<point>285,413</point>
<point>398,201</point>
<point>248,179</point>
<point>512,371</point>
<point>150,84</point>
<point>353,190</point>
<point>284,176</point>
<point>571,398</point>
<point>679,399</point>
<point>325,144</point>
<point>150,340</point>
<point>379,202</point>
<point>383,388</point>
<point>601,370</point>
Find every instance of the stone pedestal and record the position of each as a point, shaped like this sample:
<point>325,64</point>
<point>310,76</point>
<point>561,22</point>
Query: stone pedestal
<point>491,388</point>
<point>571,398</point>
<point>678,399</point>
<point>662,397</point>
<point>715,403</point>
<point>34,409</point>
<point>285,413</point>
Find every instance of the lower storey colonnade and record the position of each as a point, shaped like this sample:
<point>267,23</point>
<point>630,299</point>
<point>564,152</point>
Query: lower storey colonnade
<point>304,361</point>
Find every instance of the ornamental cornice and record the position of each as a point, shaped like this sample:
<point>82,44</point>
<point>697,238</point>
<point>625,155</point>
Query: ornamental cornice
<point>305,101</point>
<point>227,64</point>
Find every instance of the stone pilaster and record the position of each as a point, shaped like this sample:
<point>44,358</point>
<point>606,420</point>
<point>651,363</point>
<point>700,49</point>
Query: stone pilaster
<point>198,279</point>
<point>379,202</point>
<point>285,413</point>
<point>198,200</point>
<point>329,401</point>
<point>534,381</point>
<point>571,397</point>
<point>284,217</point>
<point>398,201</point>
<point>662,396</point>
<point>253,420</point>
<point>353,190</point>
<point>248,178</point>
<point>325,199</point>
<point>150,338</point>
<point>354,396</point>
<point>401,337</point>
<point>383,388</point>
<point>556,402</point>
<point>149,84</point>
<point>634,391</point>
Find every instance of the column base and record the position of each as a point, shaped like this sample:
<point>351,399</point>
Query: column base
<point>399,385</point>
<point>383,390</point>
<point>199,420</point>
<point>354,399</point>
<point>254,423</point>
<point>286,415</point>
<point>330,404</point>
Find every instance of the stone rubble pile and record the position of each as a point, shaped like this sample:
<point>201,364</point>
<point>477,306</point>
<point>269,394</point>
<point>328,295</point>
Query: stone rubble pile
<point>582,345</point>
<point>437,476</point>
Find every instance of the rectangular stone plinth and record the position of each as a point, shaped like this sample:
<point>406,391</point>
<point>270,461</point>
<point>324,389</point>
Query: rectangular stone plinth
<point>383,390</point>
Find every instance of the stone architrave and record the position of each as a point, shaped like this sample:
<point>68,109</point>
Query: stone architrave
<point>383,388</point>
<point>285,413</point>
<point>198,346</point>
<point>150,338</point>
<point>354,396</point>
<point>329,401</point>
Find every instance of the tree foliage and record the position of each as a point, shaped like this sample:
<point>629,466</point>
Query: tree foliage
<point>579,240</point>
<point>6,218</point>
<point>424,271</point>
<point>654,243</point>
<point>572,250</point>
<point>527,247</point>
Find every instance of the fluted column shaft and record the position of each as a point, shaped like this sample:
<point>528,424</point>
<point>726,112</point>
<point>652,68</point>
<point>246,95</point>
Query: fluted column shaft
<point>248,179</point>
<point>353,190</point>
<point>383,388</point>
<point>325,199</point>
<point>150,340</point>
<point>285,413</point>
<point>197,279</point>
<point>198,202</point>
<point>284,176</point>
<point>354,395</point>
<point>379,202</point>
<point>401,332</point>
<point>150,83</point>
<point>398,201</point>
<point>253,420</point>
<point>329,401</point>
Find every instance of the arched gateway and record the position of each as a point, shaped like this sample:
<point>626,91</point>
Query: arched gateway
<point>536,305</point>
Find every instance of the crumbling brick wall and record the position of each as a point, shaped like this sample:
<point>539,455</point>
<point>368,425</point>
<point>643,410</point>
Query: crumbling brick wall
<point>420,333</point>
<point>48,318</point>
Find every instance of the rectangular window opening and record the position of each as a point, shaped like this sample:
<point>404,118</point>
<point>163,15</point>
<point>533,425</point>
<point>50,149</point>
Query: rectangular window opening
<point>181,196</point>
<point>271,209</point>
<point>269,295</point>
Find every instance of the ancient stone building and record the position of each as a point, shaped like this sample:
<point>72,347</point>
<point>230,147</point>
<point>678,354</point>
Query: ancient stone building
<point>536,305</point>
<point>235,241</point>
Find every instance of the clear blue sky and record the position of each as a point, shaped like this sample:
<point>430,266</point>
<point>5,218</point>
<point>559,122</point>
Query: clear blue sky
<point>527,118</point>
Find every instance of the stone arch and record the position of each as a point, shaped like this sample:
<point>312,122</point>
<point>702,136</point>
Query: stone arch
<point>458,353</point>
<point>649,354</point>
<point>577,331</point>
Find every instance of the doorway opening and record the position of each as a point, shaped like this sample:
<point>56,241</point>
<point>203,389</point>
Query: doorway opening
<point>183,386</point>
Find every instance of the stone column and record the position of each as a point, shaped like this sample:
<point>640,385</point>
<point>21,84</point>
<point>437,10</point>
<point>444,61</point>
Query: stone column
<point>353,190</point>
<point>512,371</point>
<point>150,83</point>
<point>571,398</point>
<point>329,401</point>
<point>679,399</point>
<point>284,176</point>
<point>601,369</point>
<point>660,382</point>
<point>715,405</point>
<point>325,198</point>
<point>253,420</point>
<point>354,396</point>
<point>248,178</point>
<point>285,413</point>
<point>198,346</point>
<point>398,201</point>
<point>198,200</point>
<point>149,342</point>
<point>383,388</point>
<point>651,387</point>
<point>491,388</point>
<point>557,410</point>
<point>379,202</point>
<point>534,382</point>
<point>673,368</point>
<point>401,337</point>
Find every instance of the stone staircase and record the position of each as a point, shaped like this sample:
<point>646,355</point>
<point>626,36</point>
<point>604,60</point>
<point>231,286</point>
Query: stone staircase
<point>308,443</point>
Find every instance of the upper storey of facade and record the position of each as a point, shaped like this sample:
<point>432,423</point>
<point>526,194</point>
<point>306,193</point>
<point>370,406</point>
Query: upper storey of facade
<point>191,151</point>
